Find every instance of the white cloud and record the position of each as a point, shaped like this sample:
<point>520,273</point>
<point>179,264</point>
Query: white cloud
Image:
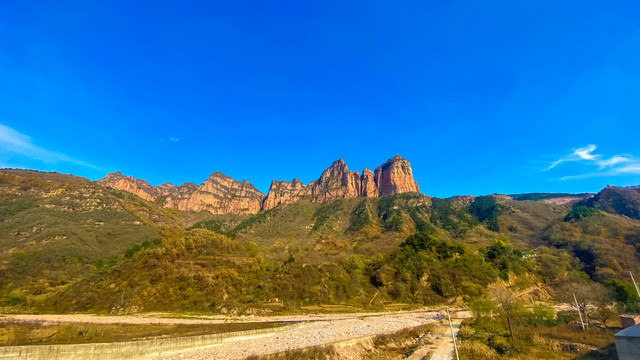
<point>172,139</point>
<point>615,165</point>
<point>630,169</point>
<point>578,154</point>
<point>15,142</point>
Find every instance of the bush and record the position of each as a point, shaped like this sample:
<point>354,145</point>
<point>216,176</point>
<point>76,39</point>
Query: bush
<point>578,212</point>
<point>486,209</point>
<point>476,350</point>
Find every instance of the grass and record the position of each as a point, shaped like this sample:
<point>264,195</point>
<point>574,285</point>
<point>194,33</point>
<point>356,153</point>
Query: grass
<point>42,333</point>
<point>329,308</point>
<point>561,342</point>
<point>311,353</point>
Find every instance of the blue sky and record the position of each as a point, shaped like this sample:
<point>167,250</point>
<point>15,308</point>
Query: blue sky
<point>480,96</point>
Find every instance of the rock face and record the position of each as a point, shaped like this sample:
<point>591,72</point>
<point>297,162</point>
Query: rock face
<point>282,192</point>
<point>368,186</point>
<point>221,194</point>
<point>337,182</point>
<point>394,177</point>
<point>139,187</point>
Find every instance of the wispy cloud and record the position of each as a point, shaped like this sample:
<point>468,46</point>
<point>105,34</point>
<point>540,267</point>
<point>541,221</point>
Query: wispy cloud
<point>171,139</point>
<point>612,166</point>
<point>14,142</point>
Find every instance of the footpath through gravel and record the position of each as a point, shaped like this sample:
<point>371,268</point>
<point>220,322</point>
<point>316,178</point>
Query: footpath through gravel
<point>319,332</point>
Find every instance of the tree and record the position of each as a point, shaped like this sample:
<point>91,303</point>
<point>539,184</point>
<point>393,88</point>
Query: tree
<point>507,300</point>
<point>585,293</point>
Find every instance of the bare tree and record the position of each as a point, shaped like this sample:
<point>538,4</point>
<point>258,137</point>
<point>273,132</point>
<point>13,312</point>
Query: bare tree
<point>507,300</point>
<point>586,293</point>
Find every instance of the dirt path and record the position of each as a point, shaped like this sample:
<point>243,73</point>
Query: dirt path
<point>444,350</point>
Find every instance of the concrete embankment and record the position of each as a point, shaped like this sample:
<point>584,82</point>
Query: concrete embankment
<point>132,350</point>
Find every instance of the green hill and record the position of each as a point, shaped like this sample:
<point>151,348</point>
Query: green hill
<point>617,200</point>
<point>68,244</point>
<point>55,228</point>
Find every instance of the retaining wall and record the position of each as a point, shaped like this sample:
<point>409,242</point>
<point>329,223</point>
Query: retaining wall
<point>131,350</point>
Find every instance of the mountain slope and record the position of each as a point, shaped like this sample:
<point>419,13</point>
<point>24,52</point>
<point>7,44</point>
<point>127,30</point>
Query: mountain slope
<point>54,227</point>
<point>69,244</point>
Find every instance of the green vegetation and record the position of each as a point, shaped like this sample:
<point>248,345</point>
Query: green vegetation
<point>67,244</point>
<point>545,196</point>
<point>486,209</point>
<point>578,212</point>
<point>617,200</point>
<point>506,328</point>
<point>138,247</point>
<point>454,219</point>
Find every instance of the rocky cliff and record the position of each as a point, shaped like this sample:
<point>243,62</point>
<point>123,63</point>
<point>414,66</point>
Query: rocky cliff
<point>337,182</point>
<point>282,192</point>
<point>139,187</point>
<point>394,177</point>
<point>221,194</point>
<point>368,186</point>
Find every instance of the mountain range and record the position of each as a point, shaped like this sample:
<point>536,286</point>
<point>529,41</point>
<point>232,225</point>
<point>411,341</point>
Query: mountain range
<point>372,241</point>
<point>220,194</point>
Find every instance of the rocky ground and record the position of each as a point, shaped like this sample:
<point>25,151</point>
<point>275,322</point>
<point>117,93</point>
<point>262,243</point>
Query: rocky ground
<point>314,333</point>
<point>317,329</point>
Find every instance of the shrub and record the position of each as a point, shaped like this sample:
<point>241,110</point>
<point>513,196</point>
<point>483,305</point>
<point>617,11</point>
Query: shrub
<point>578,212</point>
<point>476,350</point>
<point>486,209</point>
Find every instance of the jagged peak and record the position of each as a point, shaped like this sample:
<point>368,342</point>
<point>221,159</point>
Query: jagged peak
<point>115,174</point>
<point>295,181</point>
<point>217,174</point>
<point>339,164</point>
<point>336,181</point>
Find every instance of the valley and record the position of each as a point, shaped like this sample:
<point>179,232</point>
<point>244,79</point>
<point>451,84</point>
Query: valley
<point>70,245</point>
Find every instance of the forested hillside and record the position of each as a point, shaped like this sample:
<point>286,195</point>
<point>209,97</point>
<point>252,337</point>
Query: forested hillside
<point>68,244</point>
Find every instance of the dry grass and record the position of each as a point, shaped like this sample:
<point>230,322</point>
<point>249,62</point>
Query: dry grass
<point>327,352</point>
<point>476,350</point>
<point>39,333</point>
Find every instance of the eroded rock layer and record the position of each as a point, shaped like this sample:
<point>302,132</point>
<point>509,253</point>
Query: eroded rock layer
<point>221,194</point>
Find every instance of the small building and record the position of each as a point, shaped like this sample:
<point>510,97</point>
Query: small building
<point>628,343</point>
<point>628,320</point>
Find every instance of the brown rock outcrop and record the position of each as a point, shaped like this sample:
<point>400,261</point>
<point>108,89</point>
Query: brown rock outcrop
<point>337,182</point>
<point>368,187</point>
<point>221,194</point>
<point>139,187</point>
<point>282,192</point>
<point>394,177</point>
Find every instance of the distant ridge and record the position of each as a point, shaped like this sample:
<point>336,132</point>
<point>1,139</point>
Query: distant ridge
<point>220,194</point>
